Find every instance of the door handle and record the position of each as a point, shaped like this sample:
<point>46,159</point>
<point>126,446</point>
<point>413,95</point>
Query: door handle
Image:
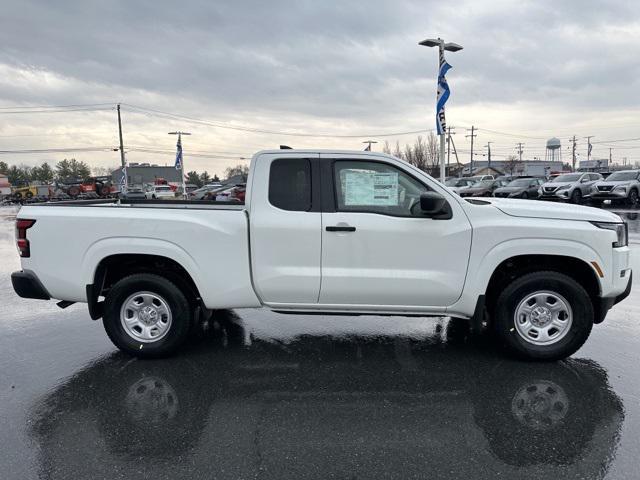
<point>337,228</point>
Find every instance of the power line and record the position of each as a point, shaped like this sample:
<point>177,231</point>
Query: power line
<point>29,112</point>
<point>160,113</point>
<point>76,105</point>
<point>56,150</point>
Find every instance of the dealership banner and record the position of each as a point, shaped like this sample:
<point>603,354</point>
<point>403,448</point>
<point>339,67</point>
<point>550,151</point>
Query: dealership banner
<point>443,94</point>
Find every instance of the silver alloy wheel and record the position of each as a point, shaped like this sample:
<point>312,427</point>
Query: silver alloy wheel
<point>543,318</point>
<point>145,317</point>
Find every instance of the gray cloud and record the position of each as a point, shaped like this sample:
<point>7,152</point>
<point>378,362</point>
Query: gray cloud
<point>350,62</point>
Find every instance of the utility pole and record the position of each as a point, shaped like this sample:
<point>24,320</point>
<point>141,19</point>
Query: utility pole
<point>573,152</point>
<point>589,146</point>
<point>489,155</point>
<point>455,152</point>
<point>472,135</point>
<point>449,140</point>
<point>368,147</point>
<point>120,134</point>
<point>610,157</point>
<point>520,145</point>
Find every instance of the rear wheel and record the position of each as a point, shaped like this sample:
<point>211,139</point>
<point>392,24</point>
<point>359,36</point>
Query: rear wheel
<point>524,195</point>
<point>147,316</point>
<point>29,195</point>
<point>543,316</point>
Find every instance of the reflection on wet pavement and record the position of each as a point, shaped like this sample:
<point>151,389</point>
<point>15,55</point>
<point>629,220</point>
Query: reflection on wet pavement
<point>323,406</point>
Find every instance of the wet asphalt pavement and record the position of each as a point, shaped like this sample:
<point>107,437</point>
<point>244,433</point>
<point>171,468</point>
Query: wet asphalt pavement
<point>262,395</point>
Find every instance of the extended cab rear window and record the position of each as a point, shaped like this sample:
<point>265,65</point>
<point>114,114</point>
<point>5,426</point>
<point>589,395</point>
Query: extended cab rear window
<point>290,184</point>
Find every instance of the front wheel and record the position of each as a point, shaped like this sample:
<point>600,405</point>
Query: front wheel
<point>543,316</point>
<point>147,316</point>
<point>633,198</point>
<point>576,197</point>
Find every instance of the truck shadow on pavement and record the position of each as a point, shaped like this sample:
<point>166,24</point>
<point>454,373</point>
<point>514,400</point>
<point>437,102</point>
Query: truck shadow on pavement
<point>325,407</point>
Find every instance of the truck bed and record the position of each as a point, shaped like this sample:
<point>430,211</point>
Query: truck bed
<point>209,239</point>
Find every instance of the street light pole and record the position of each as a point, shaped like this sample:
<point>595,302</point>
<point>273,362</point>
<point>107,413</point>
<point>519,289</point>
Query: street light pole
<point>450,47</point>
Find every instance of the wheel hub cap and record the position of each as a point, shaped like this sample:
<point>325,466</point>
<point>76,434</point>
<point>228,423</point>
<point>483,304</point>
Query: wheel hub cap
<point>145,317</point>
<point>543,318</point>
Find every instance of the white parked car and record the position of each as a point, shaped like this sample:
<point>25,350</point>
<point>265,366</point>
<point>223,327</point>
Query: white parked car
<point>331,232</point>
<point>160,192</point>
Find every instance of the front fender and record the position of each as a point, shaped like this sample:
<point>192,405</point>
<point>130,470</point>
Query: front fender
<point>481,270</point>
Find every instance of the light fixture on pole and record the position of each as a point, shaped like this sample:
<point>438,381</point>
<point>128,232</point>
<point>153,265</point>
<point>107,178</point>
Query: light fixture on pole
<point>179,160</point>
<point>443,91</point>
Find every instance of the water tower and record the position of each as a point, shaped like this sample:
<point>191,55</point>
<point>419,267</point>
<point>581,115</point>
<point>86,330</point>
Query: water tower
<point>553,152</point>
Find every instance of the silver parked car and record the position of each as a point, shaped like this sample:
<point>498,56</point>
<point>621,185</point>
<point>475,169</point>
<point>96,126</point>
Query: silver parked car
<point>573,187</point>
<point>619,187</point>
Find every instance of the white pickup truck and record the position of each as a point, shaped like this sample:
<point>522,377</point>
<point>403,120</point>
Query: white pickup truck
<point>336,232</point>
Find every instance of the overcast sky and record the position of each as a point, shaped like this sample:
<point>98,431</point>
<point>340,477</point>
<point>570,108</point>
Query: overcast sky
<point>529,70</point>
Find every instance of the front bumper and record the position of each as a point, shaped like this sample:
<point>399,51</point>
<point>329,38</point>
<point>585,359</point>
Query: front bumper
<point>27,285</point>
<point>610,195</point>
<point>557,195</point>
<point>605,304</point>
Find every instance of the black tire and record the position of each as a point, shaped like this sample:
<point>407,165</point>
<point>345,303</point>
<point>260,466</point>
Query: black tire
<point>18,196</point>
<point>181,313</point>
<point>576,196</point>
<point>518,290</point>
<point>524,195</point>
<point>29,195</point>
<point>633,198</point>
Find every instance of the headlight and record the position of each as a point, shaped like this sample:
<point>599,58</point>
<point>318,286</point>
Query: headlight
<point>621,187</point>
<point>566,187</point>
<point>621,229</point>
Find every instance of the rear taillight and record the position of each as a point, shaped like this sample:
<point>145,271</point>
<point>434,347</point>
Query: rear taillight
<point>22,226</point>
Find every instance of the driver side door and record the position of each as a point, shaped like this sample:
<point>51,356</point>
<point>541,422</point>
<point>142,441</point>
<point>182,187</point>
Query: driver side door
<point>378,247</point>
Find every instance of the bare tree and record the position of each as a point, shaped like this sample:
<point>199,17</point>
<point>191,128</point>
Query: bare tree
<point>396,151</point>
<point>432,152</point>
<point>512,164</point>
<point>386,148</point>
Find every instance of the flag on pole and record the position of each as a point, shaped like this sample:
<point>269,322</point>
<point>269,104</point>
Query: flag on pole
<point>179,153</point>
<point>443,95</point>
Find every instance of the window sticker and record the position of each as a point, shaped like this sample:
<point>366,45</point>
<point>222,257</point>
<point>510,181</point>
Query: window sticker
<point>370,188</point>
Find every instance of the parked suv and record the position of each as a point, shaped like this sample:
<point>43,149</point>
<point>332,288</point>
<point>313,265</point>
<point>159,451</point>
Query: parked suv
<point>482,188</point>
<point>573,187</point>
<point>520,188</point>
<point>622,187</point>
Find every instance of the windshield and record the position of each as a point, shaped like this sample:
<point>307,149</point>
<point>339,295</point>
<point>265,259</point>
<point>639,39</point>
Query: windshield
<point>567,177</point>
<point>456,182</point>
<point>621,176</point>
<point>482,184</point>
<point>523,182</point>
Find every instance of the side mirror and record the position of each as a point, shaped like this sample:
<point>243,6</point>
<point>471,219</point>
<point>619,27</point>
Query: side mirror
<point>432,203</point>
